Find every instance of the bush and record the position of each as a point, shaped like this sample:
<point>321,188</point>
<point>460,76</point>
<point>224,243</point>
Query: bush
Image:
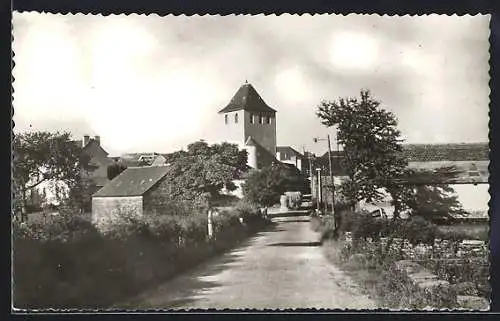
<point>69,264</point>
<point>417,230</point>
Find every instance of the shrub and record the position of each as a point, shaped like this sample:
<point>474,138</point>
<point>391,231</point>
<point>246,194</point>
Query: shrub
<point>418,230</point>
<point>397,290</point>
<point>70,264</point>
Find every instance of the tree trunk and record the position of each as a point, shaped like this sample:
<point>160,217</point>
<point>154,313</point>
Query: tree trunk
<point>24,213</point>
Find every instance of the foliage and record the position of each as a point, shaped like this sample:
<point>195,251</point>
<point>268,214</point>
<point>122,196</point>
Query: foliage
<point>265,186</point>
<point>365,249</point>
<point>53,159</point>
<point>41,157</point>
<point>69,264</point>
<point>200,173</point>
<point>418,230</point>
<point>435,203</point>
<point>371,143</point>
<point>115,169</point>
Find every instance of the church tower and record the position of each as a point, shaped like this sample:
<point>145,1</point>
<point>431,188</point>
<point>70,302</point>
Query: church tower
<point>251,123</point>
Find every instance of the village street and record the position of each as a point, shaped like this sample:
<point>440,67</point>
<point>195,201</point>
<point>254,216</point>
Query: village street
<point>283,267</point>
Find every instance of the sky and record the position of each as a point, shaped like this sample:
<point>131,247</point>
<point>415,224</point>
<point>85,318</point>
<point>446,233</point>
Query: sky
<point>155,84</point>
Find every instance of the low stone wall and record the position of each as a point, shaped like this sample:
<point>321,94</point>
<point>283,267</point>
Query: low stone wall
<point>449,273</point>
<point>432,290</point>
<point>441,248</point>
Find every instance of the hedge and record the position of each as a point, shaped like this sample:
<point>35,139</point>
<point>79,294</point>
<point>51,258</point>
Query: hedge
<point>69,264</point>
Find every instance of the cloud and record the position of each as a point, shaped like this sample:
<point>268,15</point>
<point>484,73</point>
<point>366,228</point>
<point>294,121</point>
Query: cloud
<point>156,83</point>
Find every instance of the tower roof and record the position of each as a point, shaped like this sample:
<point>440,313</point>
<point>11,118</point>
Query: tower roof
<point>247,98</point>
<point>250,142</point>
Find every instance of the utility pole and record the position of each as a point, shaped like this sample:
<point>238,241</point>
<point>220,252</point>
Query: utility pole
<point>311,172</point>
<point>331,169</point>
<point>331,174</point>
<point>319,196</point>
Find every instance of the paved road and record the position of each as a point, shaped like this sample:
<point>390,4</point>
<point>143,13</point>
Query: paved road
<point>283,267</point>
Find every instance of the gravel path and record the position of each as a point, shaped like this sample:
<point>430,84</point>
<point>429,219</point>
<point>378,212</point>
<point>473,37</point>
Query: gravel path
<point>281,268</point>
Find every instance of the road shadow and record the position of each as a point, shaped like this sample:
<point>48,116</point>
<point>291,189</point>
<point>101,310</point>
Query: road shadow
<point>184,290</point>
<point>287,244</point>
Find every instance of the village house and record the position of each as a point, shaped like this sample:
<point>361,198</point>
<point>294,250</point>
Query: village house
<point>469,162</point>
<point>288,155</point>
<point>136,191</point>
<point>51,192</point>
<point>98,159</point>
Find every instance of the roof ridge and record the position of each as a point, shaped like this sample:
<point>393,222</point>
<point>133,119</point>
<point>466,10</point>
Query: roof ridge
<point>247,98</point>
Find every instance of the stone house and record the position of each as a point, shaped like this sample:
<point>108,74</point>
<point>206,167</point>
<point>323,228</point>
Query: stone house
<point>288,155</point>
<point>98,158</point>
<point>135,192</point>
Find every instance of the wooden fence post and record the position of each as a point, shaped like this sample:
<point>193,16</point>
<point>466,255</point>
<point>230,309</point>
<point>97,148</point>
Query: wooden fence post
<point>210,227</point>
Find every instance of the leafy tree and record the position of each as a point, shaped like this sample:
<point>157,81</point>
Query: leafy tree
<point>43,157</point>
<point>436,203</point>
<point>199,173</point>
<point>115,169</point>
<point>372,147</point>
<point>265,186</point>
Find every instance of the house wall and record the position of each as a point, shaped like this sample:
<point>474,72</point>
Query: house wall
<point>99,158</point>
<point>264,134</point>
<point>106,210</point>
<point>326,194</point>
<point>474,198</point>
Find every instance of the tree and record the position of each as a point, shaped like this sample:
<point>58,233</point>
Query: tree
<point>436,202</point>
<point>201,172</point>
<point>41,157</point>
<point>115,169</point>
<point>265,186</point>
<point>372,147</point>
<point>80,195</point>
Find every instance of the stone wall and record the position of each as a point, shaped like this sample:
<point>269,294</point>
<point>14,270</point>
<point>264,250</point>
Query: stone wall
<point>442,248</point>
<point>460,266</point>
<point>106,210</point>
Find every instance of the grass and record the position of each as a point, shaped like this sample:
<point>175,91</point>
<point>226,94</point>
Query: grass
<point>467,230</point>
<point>367,278</point>
<point>73,266</point>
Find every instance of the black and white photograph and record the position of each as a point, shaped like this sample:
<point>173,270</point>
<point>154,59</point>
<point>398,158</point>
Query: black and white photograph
<point>263,162</point>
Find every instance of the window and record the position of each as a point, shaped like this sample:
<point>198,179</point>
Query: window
<point>235,118</point>
<point>251,119</point>
<point>268,119</point>
<point>225,119</point>
<point>261,120</point>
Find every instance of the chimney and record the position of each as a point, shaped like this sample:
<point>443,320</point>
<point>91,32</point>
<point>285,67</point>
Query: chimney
<point>98,139</point>
<point>86,139</point>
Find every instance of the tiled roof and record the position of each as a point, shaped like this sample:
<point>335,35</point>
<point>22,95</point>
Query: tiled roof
<point>247,98</point>
<point>251,142</point>
<point>438,152</point>
<point>446,152</point>
<point>134,181</point>
<point>100,181</point>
